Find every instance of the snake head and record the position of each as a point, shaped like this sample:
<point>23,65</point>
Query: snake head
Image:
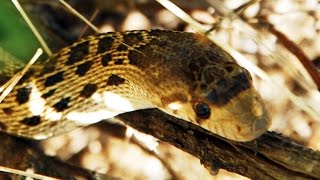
<point>243,118</point>
<point>198,81</point>
<point>225,102</point>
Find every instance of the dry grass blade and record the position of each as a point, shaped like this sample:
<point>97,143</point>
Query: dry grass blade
<point>80,16</point>
<point>32,27</point>
<point>96,29</point>
<point>8,86</point>
<point>182,15</point>
<point>25,174</point>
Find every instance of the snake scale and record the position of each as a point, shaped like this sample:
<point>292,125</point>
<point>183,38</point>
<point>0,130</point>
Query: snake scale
<point>101,76</point>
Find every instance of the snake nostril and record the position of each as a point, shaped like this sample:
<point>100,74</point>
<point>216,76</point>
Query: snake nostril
<point>238,128</point>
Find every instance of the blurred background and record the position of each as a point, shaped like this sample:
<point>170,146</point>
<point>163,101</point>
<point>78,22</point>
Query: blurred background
<point>117,150</point>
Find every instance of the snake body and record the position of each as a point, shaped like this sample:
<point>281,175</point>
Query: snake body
<point>101,76</point>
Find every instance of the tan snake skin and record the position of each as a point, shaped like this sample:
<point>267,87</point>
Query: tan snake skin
<point>101,76</point>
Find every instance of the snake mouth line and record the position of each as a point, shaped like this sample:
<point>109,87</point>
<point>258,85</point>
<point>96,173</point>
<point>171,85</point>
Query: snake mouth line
<point>256,129</point>
<point>237,131</point>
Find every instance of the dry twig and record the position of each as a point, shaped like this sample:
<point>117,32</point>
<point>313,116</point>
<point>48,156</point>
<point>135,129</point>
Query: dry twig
<point>269,157</point>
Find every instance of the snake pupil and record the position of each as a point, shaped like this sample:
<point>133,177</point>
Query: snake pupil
<point>202,110</point>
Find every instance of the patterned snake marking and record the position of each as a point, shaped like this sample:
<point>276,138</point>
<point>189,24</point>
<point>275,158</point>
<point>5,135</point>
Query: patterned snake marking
<point>101,76</point>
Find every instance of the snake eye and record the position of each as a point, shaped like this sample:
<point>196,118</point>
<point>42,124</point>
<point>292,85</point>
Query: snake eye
<point>202,110</point>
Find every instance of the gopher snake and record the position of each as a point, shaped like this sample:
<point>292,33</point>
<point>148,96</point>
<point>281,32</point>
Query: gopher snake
<point>101,76</point>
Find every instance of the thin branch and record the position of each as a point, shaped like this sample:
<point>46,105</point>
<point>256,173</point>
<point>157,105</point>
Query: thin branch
<point>21,154</point>
<point>269,157</point>
<point>294,49</point>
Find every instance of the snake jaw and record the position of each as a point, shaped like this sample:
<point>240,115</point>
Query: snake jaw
<point>244,118</point>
